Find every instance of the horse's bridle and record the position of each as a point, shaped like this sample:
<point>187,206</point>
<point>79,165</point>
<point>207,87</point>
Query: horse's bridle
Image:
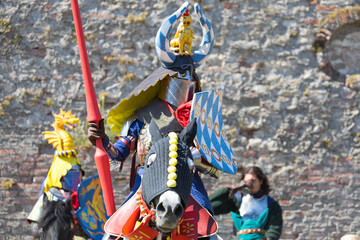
<point>146,222</point>
<point>145,212</point>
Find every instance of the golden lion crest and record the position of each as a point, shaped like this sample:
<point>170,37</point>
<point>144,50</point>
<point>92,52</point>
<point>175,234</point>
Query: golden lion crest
<point>184,36</point>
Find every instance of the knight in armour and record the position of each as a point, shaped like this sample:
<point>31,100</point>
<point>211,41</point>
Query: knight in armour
<point>164,98</point>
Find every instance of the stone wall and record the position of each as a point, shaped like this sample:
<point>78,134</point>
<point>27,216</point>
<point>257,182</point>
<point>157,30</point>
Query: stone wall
<point>282,111</point>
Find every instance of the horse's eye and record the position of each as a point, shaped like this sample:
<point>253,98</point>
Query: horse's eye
<point>151,159</point>
<point>191,164</point>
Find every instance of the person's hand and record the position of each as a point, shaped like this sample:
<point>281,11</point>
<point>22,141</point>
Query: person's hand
<point>96,132</point>
<point>241,187</point>
<point>233,191</point>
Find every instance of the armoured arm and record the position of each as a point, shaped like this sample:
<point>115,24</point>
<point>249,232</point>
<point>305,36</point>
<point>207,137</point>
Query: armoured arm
<point>125,145</point>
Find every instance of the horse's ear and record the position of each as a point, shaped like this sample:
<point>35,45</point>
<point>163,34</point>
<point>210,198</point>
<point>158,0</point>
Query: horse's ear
<point>45,199</point>
<point>154,132</point>
<point>189,132</point>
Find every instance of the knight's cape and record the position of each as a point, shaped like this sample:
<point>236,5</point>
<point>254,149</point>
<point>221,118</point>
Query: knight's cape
<point>146,91</point>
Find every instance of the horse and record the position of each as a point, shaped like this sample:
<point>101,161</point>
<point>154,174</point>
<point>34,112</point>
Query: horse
<point>56,220</point>
<point>168,175</point>
<point>162,204</point>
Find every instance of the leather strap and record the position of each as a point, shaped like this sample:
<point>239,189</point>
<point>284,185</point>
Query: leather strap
<point>131,146</point>
<point>122,139</point>
<point>133,171</point>
<point>126,144</point>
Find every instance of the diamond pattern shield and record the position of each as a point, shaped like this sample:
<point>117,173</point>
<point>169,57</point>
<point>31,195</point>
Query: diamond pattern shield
<point>210,138</point>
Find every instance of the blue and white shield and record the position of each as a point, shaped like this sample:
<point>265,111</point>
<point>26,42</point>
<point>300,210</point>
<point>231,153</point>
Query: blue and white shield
<point>91,213</point>
<point>210,138</point>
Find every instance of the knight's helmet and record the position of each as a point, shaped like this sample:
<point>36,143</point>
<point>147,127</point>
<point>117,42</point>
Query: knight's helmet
<point>181,87</point>
<point>175,82</point>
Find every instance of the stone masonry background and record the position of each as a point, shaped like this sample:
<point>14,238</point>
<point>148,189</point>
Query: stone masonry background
<point>281,111</point>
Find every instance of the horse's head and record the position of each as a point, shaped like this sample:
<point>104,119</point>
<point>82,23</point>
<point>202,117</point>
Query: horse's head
<point>55,220</point>
<point>168,175</point>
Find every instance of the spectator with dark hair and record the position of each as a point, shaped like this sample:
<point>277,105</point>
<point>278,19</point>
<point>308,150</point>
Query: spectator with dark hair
<point>255,214</point>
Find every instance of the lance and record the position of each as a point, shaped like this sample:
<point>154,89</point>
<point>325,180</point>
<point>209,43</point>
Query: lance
<point>93,114</point>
